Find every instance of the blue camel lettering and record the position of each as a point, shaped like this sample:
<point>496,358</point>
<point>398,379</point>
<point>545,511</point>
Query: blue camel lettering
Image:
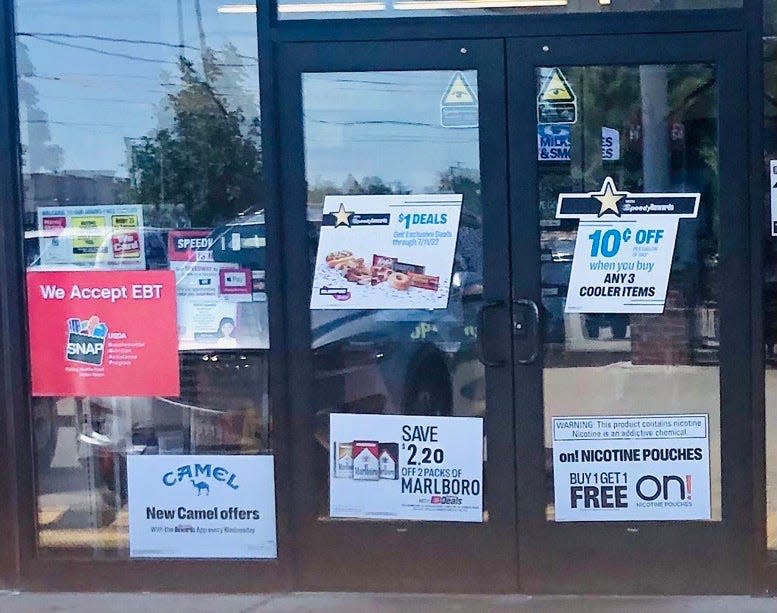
<point>200,487</point>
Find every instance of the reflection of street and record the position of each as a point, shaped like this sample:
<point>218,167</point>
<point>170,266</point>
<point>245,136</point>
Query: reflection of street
<point>625,389</point>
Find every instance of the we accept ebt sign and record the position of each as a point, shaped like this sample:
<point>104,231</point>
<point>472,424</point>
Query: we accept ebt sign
<point>99,333</point>
<point>624,248</point>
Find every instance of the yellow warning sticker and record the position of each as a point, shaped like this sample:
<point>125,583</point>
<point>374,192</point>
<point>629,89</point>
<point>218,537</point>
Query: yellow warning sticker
<point>458,92</point>
<point>556,89</point>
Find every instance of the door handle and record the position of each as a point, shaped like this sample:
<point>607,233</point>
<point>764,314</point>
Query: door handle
<point>526,331</point>
<point>481,322</point>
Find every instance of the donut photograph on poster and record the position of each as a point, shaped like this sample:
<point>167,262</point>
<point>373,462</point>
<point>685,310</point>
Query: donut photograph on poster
<point>386,252</point>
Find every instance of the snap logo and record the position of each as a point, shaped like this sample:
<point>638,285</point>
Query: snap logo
<point>86,340</point>
<point>198,474</point>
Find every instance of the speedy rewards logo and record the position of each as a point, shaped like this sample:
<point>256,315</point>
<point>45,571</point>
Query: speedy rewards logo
<point>99,333</point>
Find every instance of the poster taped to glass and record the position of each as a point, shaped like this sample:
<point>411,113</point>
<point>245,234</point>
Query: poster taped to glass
<point>386,252</point>
<point>221,305</point>
<point>101,237</point>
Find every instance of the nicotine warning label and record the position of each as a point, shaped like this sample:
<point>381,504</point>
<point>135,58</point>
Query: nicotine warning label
<point>632,468</point>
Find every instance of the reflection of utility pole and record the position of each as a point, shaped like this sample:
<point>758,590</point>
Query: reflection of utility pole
<point>655,130</point>
<point>180,30</point>
<point>203,44</point>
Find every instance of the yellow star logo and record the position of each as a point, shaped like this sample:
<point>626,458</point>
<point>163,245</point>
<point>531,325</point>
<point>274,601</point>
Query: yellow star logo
<point>343,217</point>
<point>609,198</point>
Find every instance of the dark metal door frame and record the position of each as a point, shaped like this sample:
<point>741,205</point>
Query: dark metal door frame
<point>17,566</point>
<point>682,557</point>
<point>415,556</point>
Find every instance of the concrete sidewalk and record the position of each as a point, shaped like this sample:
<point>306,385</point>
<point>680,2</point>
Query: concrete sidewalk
<point>26,602</point>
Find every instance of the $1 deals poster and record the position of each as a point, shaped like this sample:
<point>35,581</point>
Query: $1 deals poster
<point>386,252</point>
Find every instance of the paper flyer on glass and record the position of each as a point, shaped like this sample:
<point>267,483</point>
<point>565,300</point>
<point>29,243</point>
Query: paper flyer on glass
<point>386,252</point>
<point>201,506</point>
<point>632,468</point>
<point>624,247</point>
<point>99,333</point>
<point>403,467</point>
<point>217,305</point>
<point>102,237</point>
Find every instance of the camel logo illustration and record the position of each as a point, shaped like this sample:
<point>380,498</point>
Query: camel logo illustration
<point>200,487</point>
<point>200,475</point>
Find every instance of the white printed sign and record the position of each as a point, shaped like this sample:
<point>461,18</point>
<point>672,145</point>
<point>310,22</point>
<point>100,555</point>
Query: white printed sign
<point>773,192</point>
<point>635,468</point>
<point>213,299</point>
<point>611,144</point>
<point>386,252</point>
<point>403,467</point>
<point>104,237</point>
<point>624,248</point>
<point>201,506</point>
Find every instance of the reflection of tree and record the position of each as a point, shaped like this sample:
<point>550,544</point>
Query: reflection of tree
<point>39,153</point>
<point>464,181</point>
<point>372,186</point>
<point>454,180</point>
<point>210,159</point>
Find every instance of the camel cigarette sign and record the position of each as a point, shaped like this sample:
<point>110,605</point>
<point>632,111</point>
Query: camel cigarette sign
<point>201,506</point>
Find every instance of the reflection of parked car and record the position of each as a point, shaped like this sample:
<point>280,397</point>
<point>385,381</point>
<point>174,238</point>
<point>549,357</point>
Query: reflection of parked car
<point>401,361</point>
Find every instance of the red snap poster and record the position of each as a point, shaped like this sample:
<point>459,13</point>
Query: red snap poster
<point>103,333</point>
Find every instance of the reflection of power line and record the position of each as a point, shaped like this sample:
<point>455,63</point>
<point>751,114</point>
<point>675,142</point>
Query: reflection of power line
<point>126,56</point>
<point>102,100</point>
<point>377,141</point>
<point>111,39</point>
<point>77,123</point>
<point>379,122</point>
<point>103,52</point>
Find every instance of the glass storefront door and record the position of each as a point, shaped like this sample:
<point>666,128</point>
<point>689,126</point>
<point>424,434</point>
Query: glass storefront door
<point>396,209</point>
<point>514,298</point>
<point>634,425</point>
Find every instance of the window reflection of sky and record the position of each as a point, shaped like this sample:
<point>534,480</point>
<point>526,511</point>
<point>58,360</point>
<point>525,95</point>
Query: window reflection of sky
<point>102,71</point>
<point>384,124</point>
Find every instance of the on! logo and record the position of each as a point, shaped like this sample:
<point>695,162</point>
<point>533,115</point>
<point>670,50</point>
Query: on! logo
<point>651,487</point>
<point>422,219</point>
<point>86,340</point>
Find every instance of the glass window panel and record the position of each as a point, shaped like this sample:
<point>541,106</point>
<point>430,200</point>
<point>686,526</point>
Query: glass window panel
<point>636,364</point>
<point>152,104</point>
<point>358,140</point>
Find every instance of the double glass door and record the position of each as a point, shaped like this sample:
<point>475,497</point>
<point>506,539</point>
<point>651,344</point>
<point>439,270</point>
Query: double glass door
<point>454,376</point>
